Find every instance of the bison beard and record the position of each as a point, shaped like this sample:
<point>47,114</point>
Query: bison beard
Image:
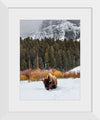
<point>50,82</point>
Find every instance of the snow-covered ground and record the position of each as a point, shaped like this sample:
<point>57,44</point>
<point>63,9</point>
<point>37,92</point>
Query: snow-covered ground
<point>67,89</point>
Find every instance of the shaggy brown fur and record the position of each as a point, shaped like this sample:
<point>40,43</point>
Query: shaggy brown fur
<point>50,82</point>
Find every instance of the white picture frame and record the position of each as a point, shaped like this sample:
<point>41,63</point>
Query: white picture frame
<point>84,102</point>
<point>4,110</point>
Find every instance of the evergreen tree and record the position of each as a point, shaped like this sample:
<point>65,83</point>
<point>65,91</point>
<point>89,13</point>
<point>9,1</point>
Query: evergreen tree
<point>64,61</point>
<point>41,65</point>
<point>58,54</point>
<point>23,65</point>
<point>59,60</point>
<point>52,58</point>
<point>47,58</point>
<point>35,63</point>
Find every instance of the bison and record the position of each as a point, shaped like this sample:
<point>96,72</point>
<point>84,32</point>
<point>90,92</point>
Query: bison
<point>50,82</point>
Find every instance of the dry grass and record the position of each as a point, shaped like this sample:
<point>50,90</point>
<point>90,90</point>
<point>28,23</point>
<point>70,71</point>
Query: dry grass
<point>23,77</point>
<point>38,74</point>
<point>58,74</point>
<point>72,75</point>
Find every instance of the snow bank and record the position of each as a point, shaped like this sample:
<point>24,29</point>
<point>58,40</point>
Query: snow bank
<point>76,69</point>
<point>68,89</point>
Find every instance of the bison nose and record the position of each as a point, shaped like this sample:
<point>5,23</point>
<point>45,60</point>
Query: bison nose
<point>47,88</point>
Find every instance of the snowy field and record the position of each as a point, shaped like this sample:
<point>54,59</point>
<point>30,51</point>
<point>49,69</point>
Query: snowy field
<point>67,89</point>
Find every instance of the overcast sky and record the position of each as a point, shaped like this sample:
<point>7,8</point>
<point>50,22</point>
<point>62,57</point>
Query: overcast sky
<point>28,26</point>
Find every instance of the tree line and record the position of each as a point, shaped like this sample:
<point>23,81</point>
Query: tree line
<point>49,53</point>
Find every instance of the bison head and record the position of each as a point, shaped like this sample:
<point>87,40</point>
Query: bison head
<point>47,83</point>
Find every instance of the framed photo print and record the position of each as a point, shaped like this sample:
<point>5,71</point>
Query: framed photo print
<point>50,61</point>
<point>45,56</point>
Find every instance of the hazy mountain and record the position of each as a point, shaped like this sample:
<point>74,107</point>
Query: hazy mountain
<point>58,29</point>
